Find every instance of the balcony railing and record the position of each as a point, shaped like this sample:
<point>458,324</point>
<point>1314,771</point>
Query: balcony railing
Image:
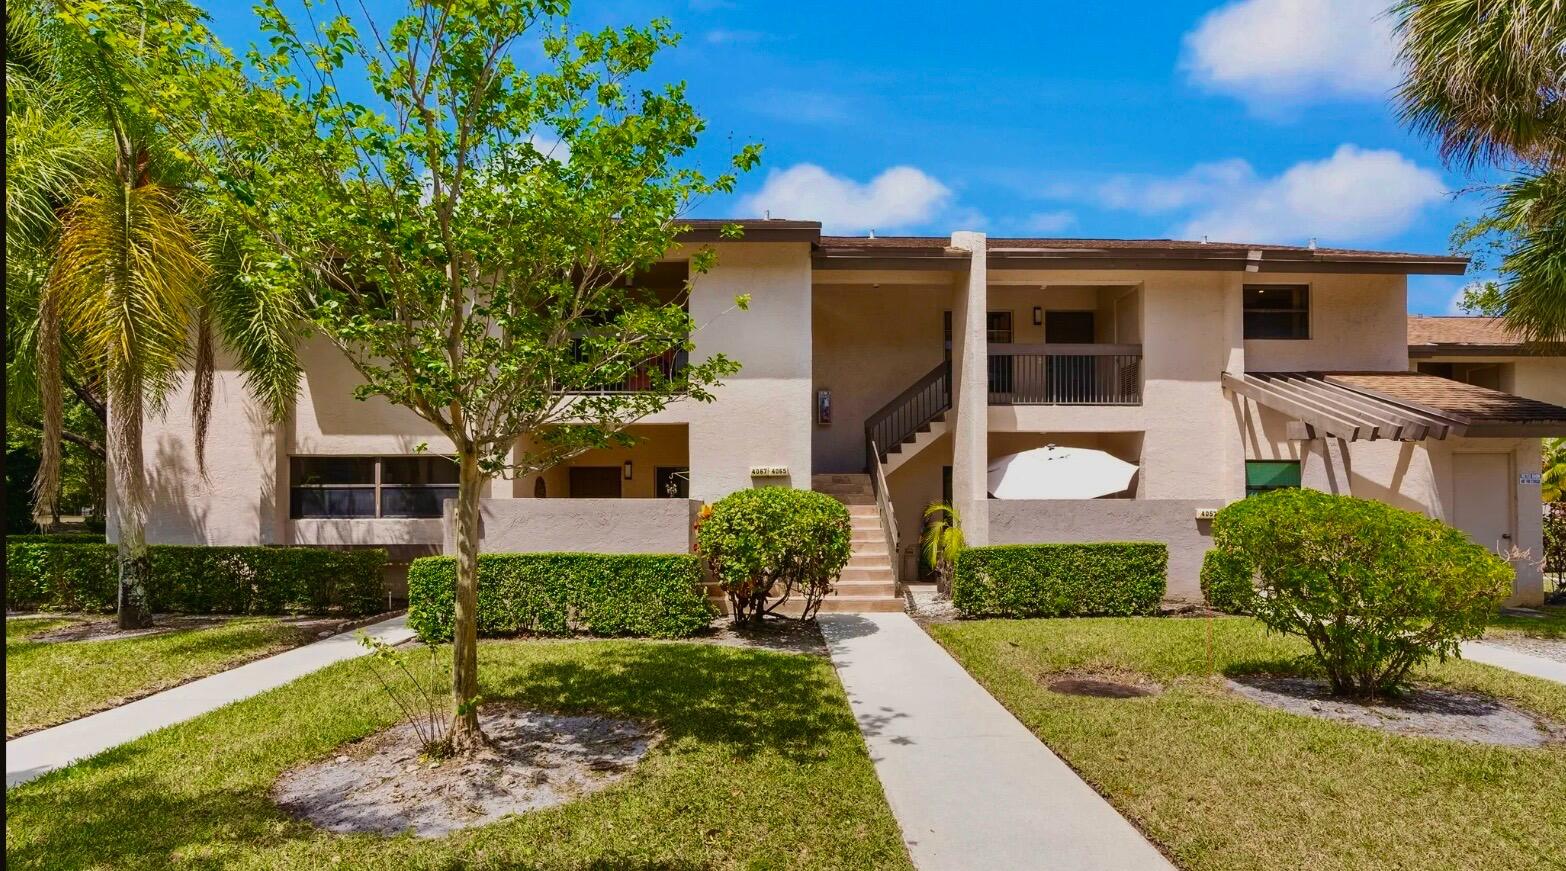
<point>664,366</point>
<point>1059,374</point>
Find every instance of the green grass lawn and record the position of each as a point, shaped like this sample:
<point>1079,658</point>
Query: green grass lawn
<point>1223,783</point>
<point>761,766</point>
<point>51,682</point>
<point>1551,625</point>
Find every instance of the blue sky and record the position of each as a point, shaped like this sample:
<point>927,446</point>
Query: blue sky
<point>1253,120</point>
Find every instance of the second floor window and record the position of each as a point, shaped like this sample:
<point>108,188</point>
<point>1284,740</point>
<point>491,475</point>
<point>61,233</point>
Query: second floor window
<point>338,487</point>
<point>1277,311</point>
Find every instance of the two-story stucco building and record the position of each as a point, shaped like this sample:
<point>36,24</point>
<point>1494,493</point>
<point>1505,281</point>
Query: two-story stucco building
<point>893,370</point>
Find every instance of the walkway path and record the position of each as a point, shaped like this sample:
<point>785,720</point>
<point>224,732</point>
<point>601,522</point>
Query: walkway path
<point>33,755</point>
<point>1515,660</point>
<point>970,785</point>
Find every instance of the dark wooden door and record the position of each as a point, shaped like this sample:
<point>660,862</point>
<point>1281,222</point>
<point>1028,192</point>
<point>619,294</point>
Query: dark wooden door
<point>595,482</point>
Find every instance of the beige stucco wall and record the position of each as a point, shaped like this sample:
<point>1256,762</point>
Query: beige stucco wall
<point>580,525</point>
<point>762,416</point>
<point>237,501</point>
<point>871,344</point>
<point>1357,323</point>
<point>1170,521</point>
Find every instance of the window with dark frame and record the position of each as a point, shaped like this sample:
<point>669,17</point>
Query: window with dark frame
<point>369,487</point>
<point>1277,311</point>
<point>1264,475</point>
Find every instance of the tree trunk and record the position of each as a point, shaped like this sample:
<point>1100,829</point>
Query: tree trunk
<point>465,732</point>
<point>130,511</point>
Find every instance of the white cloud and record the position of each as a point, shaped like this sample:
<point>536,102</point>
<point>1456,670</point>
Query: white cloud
<point>899,197</point>
<point>551,146</point>
<point>1048,223</point>
<point>1267,52</point>
<point>1354,196</point>
<point>802,107</point>
<point>727,37</point>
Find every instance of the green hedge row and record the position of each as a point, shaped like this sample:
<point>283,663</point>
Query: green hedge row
<point>1061,580</point>
<point>57,538</point>
<point>655,595</point>
<point>198,579</point>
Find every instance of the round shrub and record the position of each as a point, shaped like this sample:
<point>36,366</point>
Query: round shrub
<point>1374,589</point>
<point>1227,581</point>
<point>772,542</point>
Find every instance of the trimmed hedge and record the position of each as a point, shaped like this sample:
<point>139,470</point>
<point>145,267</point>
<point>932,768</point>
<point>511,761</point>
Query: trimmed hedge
<point>1227,583</point>
<point>1112,579</point>
<point>198,579</point>
<point>57,538</point>
<point>655,595</point>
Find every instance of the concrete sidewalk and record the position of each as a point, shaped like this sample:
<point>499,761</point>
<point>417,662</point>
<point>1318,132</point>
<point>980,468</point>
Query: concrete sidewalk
<point>33,755</point>
<point>1515,660</point>
<point>969,784</point>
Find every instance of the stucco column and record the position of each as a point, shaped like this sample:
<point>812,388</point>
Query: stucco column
<point>1232,480</point>
<point>970,391</point>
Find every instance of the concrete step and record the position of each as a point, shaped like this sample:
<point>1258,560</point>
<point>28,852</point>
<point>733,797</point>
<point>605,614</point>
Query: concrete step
<point>882,572</point>
<point>860,589</point>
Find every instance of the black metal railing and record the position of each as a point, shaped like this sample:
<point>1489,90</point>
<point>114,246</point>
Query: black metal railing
<point>1065,375</point>
<point>911,411</point>
<point>663,367</point>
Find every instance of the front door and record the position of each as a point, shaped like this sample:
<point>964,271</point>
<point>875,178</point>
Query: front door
<point>1071,377</point>
<point>595,482</point>
<point>1482,498</point>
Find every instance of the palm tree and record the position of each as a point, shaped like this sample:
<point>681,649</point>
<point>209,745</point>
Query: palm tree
<point>129,272</point>
<point>1485,78</point>
<point>1552,484</point>
<point>943,541</point>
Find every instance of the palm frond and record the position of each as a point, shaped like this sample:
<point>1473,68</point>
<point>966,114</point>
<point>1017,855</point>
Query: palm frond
<point>259,318</point>
<point>1532,210</point>
<point>128,274</point>
<point>1485,77</point>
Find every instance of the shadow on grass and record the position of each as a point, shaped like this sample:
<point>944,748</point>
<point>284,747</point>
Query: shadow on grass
<point>203,793</point>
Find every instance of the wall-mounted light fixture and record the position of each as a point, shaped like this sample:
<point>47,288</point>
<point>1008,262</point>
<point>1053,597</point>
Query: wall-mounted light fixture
<point>1038,316</point>
<point>627,470</point>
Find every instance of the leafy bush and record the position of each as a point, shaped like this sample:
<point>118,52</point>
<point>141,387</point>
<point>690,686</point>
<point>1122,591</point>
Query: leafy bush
<point>1227,581</point>
<point>655,595</point>
<point>1555,548</point>
<point>1061,580</point>
<point>199,579</point>
<point>1376,590</point>
<point>771,542</point>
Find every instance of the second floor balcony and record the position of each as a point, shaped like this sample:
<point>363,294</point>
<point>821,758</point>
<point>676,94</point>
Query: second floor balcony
<point>1062,374</point>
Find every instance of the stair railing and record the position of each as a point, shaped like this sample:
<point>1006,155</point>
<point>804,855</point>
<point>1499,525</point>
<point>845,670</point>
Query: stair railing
<point>883,506</point>
<point>912,410</point>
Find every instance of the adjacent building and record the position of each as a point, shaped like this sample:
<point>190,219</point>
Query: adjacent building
<point>892,370</point>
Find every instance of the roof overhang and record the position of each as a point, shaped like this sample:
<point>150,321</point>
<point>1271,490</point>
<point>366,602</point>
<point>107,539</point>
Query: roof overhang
<point>1474,350</point>
<point>1225,259</point>
<point>751,230</point>
<point>943,257</point>
<point>1332,405</point>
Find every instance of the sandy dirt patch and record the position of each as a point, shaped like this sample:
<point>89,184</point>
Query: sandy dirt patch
<point>536,760</point>
<point>1423,711</point>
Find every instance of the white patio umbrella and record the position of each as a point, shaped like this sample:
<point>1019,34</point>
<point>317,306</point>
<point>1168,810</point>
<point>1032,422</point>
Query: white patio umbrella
<point>1053,472</point>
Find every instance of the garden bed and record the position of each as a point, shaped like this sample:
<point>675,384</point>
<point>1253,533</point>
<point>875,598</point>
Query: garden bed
<point>1220,781</point>
<point>759,765</point>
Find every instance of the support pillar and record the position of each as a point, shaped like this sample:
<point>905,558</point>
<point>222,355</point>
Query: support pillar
<point>970,392</point>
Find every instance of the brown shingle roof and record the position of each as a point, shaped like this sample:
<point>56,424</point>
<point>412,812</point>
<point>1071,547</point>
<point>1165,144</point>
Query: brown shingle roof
<point>1478,404</point>
<point>1430,330</point>
<point>1053,253</point>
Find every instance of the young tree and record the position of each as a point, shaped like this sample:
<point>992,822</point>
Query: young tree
<point>471,217</point>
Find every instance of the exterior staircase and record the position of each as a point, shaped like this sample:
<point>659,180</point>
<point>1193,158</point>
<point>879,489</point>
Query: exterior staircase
<point>867,583</point>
